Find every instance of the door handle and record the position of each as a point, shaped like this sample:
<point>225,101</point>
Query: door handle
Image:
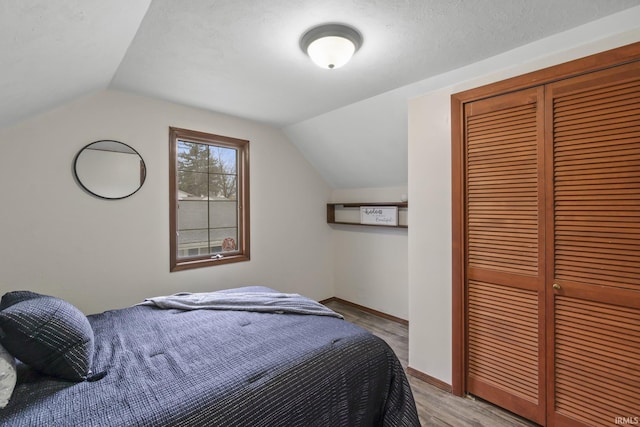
<point>556,286</point>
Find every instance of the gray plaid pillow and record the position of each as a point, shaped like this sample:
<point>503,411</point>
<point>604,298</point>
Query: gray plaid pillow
<point>15,297</point>
<point>48,334</point>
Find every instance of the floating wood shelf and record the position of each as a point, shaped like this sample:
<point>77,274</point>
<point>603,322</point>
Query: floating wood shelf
<point>349,213</point>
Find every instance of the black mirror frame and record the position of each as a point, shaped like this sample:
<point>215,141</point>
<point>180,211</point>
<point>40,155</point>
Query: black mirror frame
<point>143,171</point>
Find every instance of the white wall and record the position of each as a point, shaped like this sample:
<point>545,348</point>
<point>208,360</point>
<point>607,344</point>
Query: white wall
<point>370,263</point>
<point>100,254</point>
<point>430,175</point>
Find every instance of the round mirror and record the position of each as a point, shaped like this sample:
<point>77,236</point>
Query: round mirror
<point>109,169</point>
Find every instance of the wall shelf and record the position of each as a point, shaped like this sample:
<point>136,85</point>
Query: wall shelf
<point>349,213</point>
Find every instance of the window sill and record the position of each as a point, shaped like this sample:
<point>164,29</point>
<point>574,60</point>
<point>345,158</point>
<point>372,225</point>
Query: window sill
<point>207,262</point>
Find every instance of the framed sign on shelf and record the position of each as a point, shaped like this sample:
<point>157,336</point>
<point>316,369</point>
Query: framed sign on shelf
<point>379,215</point>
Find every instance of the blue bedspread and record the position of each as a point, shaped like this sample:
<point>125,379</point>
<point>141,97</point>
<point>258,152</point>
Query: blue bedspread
<point>169,367</point>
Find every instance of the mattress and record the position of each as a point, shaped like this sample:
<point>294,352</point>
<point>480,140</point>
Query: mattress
<point>170,367</point>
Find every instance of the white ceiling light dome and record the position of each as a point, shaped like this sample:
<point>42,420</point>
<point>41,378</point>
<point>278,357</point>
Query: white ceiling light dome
<point>331,45</point>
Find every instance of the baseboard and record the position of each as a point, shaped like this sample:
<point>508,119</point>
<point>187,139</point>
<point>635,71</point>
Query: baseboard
<point>324,301</point>
<point>429,379</point>
<point>411,371</point>
<point>368,310</point>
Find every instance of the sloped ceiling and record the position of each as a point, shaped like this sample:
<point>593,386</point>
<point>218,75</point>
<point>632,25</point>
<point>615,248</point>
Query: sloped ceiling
<point>241,57</point>
<point>54,51</point>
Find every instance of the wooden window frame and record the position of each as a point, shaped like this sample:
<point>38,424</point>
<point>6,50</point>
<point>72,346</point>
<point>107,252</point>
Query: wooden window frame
<point>242,252</point>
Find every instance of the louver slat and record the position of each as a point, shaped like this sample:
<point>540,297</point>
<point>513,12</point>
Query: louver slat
<point>597,360</point>
<point>608,209</point>
<point>503,188</point>
<point>596,244</point>
<point>503,338</point>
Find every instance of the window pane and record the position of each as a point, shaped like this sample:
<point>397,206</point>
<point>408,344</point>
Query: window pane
<point>199,242</point>
<point>225,239</point>
<point>222,169</point>
<point>192,241</point>
<point>192,214</point>
<point>193,157</point>
<point>223,160</point>
<point>223,213</point>
<point>192,185</point>
<point>223,187</point>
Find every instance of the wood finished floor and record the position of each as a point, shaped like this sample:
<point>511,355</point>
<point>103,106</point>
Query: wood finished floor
<point>436,407</point>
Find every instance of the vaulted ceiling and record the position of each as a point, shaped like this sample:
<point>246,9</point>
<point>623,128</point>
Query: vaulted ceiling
<point>242,57</point>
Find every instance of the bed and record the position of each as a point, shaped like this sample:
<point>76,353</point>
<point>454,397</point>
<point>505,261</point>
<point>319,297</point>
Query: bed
<point>154,366</point>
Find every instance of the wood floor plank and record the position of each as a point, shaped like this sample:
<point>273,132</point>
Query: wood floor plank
<point>436,407</point>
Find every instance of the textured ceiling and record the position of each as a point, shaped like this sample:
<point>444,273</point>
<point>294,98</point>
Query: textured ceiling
<point>241,57</point>
<point>54,51</point>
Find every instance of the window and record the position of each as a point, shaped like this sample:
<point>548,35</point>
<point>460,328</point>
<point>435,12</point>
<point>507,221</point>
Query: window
<point>209,199</point>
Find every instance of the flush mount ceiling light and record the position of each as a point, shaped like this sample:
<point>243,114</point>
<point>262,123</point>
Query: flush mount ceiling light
<point>331,45</point>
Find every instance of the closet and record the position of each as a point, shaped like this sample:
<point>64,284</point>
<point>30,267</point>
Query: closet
<point>546,215</point>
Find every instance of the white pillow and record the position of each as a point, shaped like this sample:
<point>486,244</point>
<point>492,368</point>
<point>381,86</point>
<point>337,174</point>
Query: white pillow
<point>8,376</point>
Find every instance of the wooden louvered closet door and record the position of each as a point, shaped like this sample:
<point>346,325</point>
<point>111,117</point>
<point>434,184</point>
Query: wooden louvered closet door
<point>593,248</point>
<point>505,257</point>
<point>546,242</point>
